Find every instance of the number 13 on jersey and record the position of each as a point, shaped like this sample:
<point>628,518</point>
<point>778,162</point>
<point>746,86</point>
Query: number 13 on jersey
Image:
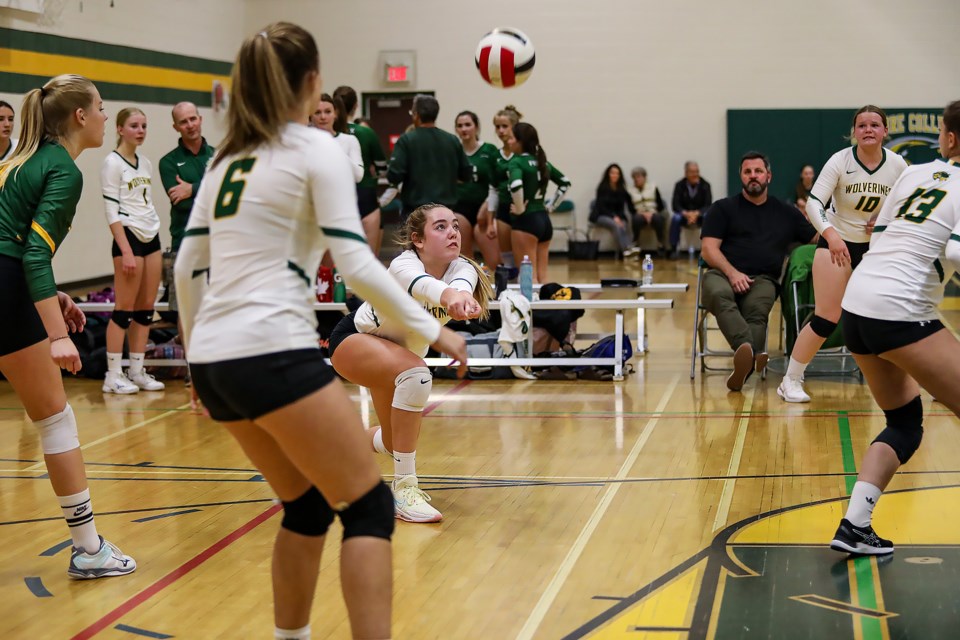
<point>234,182</point>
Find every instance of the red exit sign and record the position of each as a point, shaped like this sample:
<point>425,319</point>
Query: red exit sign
<point>397,74</point>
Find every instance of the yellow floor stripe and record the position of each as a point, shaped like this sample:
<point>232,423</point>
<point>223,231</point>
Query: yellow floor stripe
<point>566,567</point>
<point>726,496</point>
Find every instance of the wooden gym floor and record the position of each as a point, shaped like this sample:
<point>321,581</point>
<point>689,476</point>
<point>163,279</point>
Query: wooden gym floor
<point>658,508</point>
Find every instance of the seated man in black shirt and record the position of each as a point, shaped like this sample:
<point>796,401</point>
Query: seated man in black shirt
<point>744,241</point>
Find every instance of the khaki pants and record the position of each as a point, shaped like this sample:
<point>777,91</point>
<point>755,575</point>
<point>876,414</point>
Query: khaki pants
<point>741,317</point>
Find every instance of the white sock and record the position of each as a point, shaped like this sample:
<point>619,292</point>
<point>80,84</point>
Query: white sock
<point>113,362</point>
<point>862,501</point>
<point>303,633</point>
<point>795,369</point>
<point>507,258</point>
<point>136,364</point>
<point>378,445</point>
<point>78,513</point>
<point>404,464</point>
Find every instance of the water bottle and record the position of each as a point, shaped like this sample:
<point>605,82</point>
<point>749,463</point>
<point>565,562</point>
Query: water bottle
<point>324,284</point>
<point>339,287</point>
<point>647,269</point>
<point>526,278</point>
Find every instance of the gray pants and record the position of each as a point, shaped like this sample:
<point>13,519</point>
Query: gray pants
<point>659,223</point>
<point>742,318</point>
<point>622,234</point>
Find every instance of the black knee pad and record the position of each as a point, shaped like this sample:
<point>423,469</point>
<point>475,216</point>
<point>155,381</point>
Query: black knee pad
<point>143,317</point>
<point>904,429</point>
<point>371,515</point>
<point>822,327</point>
<point>122,318</point>
<point>308,515</point>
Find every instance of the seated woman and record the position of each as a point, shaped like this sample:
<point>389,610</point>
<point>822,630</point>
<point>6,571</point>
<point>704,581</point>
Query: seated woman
<point>370,350</point>
<point>610,209</point>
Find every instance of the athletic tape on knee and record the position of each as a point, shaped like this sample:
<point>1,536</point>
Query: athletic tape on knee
<point>904,429</point>
<point>58,433</point>
<point>822,327</point>
<point>143,317</point>
<point>412,389</point>
<point>371,515</point>
<point>122,318</point>
<point>308,515</point>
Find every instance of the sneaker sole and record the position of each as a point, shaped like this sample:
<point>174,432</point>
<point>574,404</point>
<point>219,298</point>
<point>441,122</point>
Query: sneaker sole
<point>784,397</point>
<point>742,368</point>
<point>109,573</point>
<point>859,549</point>
<point>418,520</point>
<point>120,393</point>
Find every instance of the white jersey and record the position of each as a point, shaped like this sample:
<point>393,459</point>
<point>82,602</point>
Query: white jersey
<point>351,147</point>
<point>915,247</point>
<point>410,273</point>
<point>260,222</point>
<point>10,150</point>
<point>857,193</point>
<point>127,195</point>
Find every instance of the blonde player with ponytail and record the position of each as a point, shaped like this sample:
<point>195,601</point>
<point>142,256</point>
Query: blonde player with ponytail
<point>40,186</point>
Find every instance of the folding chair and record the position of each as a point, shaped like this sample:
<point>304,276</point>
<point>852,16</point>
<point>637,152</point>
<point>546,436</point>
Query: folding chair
<point>702,330</point>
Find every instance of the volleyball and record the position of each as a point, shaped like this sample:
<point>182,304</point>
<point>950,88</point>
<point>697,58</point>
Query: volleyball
<point>505,57</point>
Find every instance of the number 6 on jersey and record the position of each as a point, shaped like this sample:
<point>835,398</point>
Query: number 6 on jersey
<point>228,199</point>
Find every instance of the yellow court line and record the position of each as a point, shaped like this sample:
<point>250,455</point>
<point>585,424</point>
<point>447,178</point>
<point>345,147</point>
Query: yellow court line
<point>854,600</point>
<point>733,469</point>
<point>49,64</point>
<point>566,567</point>
<point>124,431</point>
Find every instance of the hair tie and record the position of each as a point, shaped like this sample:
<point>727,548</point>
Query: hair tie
<point>263,34</point>
<point>43,92</point>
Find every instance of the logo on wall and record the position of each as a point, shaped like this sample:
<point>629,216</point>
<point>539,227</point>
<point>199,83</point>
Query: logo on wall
<point>914,135</point>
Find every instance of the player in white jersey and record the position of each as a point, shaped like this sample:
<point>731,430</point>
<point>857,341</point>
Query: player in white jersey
<point>7,142</point>
<point>277,194</point>
<point>331,117</point>
<point>125,178</point>
<point>890,324</point>
<point>857,179</point>
<point>371,350</point>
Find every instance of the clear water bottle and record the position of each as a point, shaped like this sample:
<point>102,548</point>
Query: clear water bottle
<point>526,278</point>
<point>647,269</point>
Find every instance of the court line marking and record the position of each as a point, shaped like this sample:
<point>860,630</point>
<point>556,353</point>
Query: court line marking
<point>124,431</point>
<point>164,582</point>
<point>35,584</point>
<point>726,496</point>
<point>566,567</point>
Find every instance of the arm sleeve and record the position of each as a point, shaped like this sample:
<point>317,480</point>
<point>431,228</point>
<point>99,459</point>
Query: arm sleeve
<point>661,205</point>
<point>397,170</point>
<point>493,198</point>
<point>677,204</point>
<point>49,227</point>
<point>952,250</point>
<point>335,202</point>
<point>193,262</point>
<point>356,159</point>
<point>629,202</point>
<point>410,274</point>
<point>821,193</point>
<point>168,173</point>
<point>514,178</point>
<point>708,195</point>
<point>714,222</point>
<point>888,211</point>
<point>562,185</point>
<point>110,178</point>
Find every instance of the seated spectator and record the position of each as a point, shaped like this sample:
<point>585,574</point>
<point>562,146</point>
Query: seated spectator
<point>611,206</point>
<point>691,198</point>
<point>801,192</point>
<point>744,240</point>
<point>651,209</point>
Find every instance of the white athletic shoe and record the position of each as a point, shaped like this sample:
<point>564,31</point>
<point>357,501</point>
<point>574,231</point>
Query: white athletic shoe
<point>791,390</point>
<point>411,504</point>
<point>118,383</point>
<point>108,561</point>
<point>146,382</point>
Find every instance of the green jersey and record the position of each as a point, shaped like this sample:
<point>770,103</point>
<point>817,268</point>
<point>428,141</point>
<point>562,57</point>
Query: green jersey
<point>37,205</point>
<point>500,176</point>
<point>523,174</point>
<point>374,162</point>
<point>484,163</point>
<point>182,163</point>
<point>428,162</point>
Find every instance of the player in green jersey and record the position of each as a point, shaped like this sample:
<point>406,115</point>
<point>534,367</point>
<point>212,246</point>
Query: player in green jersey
<point>40,186</point>
<point>471,196</point>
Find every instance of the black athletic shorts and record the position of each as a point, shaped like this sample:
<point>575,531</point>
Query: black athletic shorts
<point>344,329</point>
<point>536,223</point>
<point>248,388</point>
<point>20,324</point>
<point>468,210</point>
<point>503,210</point>
<point>869,336</point>
<point>856,249</point>
<point>367,202</point>
<point>140,248</point>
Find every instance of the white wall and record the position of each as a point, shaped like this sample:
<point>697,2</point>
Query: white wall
<point>208,29</point>
<point>645,82</point>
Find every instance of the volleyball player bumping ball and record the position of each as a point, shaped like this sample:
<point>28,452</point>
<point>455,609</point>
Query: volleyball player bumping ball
<point>891,326</point>
<point>277,194</point>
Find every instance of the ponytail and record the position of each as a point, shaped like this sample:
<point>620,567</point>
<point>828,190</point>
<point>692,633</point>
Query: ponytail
<point>526,134</point>
<point>542,168</point>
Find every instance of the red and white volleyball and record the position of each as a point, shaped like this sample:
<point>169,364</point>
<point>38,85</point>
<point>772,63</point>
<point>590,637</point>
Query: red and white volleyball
<point>505,57</point>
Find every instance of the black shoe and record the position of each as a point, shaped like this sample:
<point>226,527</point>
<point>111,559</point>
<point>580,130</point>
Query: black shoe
<point>859,540</point>
<point>742,367</point>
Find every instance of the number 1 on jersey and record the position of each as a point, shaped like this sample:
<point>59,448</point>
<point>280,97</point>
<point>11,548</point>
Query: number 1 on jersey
<point>234,182</point>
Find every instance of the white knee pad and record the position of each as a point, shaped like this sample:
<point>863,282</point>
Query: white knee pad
<point>412,389</point>
<point>58,433</point>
